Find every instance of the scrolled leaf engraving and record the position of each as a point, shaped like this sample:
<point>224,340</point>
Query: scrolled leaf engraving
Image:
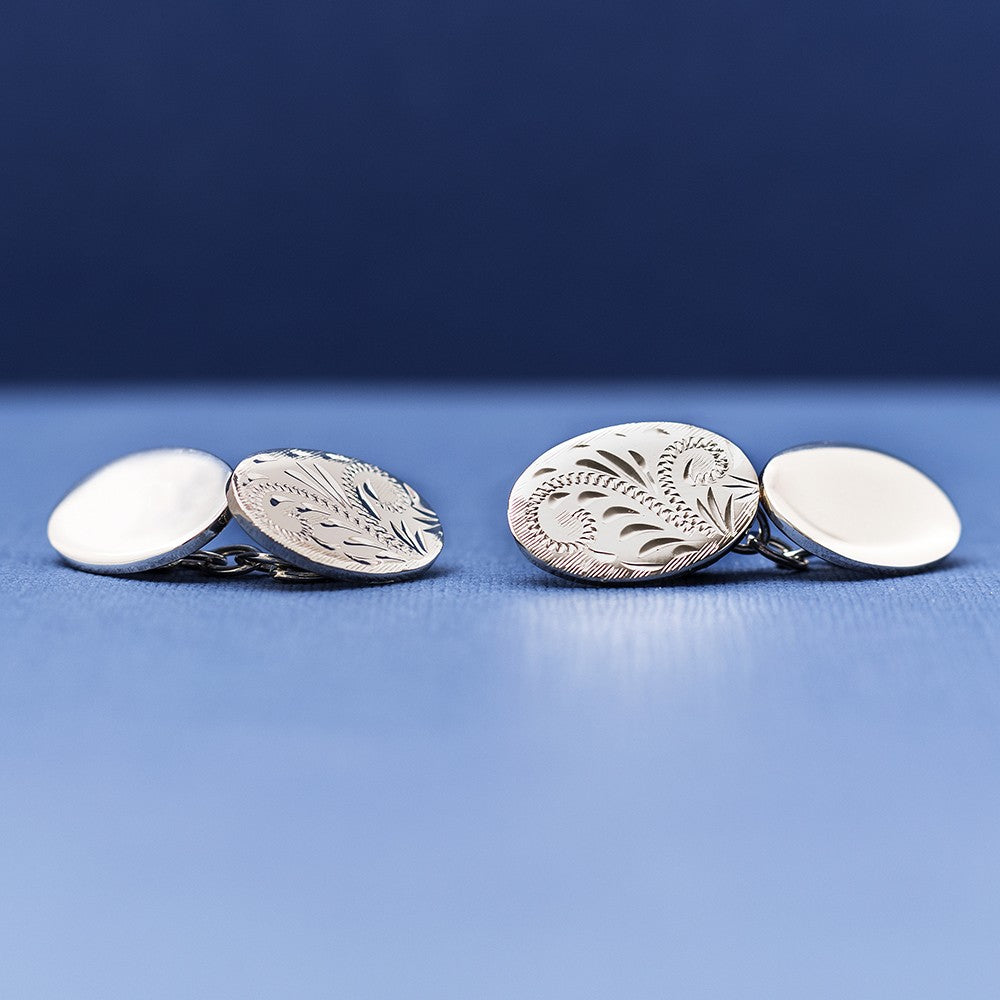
<point>637,501</point>
<point>335,512</point>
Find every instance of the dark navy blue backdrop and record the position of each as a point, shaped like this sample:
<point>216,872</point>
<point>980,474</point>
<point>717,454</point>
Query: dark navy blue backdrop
<point>499,187</point>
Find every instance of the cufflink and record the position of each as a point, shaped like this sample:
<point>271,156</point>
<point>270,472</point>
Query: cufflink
<point>650,501</point>
<point>316,515</point>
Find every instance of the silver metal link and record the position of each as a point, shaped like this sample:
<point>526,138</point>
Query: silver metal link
<point>203,560</point>
<point>241,560</point>
<point>762,543</point>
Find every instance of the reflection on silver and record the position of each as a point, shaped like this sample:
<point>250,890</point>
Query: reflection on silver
<point>633,502</point>
<point>334,515</point>
<point>859,508</point>
<point>142,511</point>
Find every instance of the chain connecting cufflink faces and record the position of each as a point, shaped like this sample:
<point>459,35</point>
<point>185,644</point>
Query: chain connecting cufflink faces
<point>316,516</point>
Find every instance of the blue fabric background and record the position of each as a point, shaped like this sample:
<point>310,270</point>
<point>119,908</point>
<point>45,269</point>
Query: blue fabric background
<point>487,782</point>
<point>500,187</point>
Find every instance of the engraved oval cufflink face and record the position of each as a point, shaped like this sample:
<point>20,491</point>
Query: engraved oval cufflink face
<point>334,515</point>
<point>142,511</point>
<point>633,503</point>
<point>859,508</point>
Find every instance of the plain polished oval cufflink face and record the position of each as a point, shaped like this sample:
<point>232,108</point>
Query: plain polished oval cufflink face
<point>633,503</point>
<point>639,502</point>
<point>317,515</point>
<point>333,515</point>
<point>859,508</point>
<point>142,511</point>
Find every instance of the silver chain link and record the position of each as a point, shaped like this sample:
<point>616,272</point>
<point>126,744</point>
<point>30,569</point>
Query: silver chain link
<point>241,560</point>
<point>762,543</point>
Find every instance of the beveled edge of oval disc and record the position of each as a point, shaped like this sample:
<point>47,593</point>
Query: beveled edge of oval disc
<point>165,558</point>
<point>652,578</point>
<point>814,547</point>
<point>268,541</point>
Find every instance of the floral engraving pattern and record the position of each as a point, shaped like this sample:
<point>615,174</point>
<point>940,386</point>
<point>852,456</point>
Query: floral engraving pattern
<point>634,502</point>
<point>334,514</point>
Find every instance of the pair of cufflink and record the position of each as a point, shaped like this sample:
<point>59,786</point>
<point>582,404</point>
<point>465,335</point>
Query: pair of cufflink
<point>626,504</point>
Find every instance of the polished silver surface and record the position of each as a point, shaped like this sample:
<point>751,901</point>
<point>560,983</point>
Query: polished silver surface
<point>859,508</point>
<point>142,511</point>
<point>334,515</point>
<point>633,502</point>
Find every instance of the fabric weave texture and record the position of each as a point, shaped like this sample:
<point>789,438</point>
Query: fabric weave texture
<point>488,781</point>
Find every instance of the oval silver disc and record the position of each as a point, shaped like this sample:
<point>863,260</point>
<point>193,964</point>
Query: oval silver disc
<point>334,515</point>
<point>859,508</point>
<point>633,502</point>
<point>142,511</point>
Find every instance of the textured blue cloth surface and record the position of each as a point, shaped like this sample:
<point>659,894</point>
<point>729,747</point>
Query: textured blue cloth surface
<point>488,782</point>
